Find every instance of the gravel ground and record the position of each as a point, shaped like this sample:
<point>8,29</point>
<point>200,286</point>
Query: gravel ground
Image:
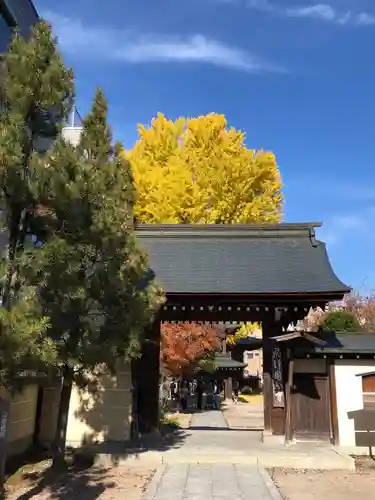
<point>330,485</point>
<point>91,484</point>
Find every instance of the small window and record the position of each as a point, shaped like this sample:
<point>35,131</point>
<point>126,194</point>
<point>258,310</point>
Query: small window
<point>368,383</point>
<point>368,390</point>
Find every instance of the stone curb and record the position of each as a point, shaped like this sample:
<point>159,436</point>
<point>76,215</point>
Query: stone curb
<point>271,486</point>
<point>153,486</point>
<point>266,461</point>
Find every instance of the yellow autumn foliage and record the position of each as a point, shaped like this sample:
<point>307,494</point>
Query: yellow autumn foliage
<point>197,170</point>
<point>245,330</point>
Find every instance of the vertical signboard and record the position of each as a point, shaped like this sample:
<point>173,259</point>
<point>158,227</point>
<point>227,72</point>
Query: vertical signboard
<point>277,378</point>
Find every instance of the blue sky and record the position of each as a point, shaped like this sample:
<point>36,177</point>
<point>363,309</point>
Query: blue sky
<point>297,76</point>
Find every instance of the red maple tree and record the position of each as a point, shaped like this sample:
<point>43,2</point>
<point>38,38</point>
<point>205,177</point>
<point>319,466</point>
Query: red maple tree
<point>184,344</point>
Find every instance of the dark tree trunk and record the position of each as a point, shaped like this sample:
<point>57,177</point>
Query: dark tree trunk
<point>134,430</point>
<point>17,232</point>
<point>62,419</point>
<point>147,374</point>
<point>14,232</point>
<point>38,416</point>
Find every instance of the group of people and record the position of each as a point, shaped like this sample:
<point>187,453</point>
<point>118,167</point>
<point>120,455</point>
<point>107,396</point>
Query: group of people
<point>206,393</point>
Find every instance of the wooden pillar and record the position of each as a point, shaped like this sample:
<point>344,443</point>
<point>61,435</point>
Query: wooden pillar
<point>274,414</point>
<point>288,401</point>
<point>267,376</point>
<point>146,375</point>
<point>228,388</point>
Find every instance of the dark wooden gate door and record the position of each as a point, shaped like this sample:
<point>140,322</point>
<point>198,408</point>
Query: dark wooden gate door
<point>310,406</point>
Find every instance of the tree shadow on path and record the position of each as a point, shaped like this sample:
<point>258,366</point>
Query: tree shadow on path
<point>73,482</point>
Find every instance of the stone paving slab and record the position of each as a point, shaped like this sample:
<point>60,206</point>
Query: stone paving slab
<point>213,419</point>
<point>211,482</point>
<point>244,415</point>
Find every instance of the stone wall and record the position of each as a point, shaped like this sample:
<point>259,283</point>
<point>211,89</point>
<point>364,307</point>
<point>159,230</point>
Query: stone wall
<point>103,414</point>
<point>21,421</point>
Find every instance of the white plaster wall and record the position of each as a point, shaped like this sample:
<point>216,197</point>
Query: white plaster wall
<point>349,395</point>
<point>72,134</point>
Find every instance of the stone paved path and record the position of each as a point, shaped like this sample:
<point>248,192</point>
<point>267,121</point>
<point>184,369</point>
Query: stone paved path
<point>244,415</point>
<point>208,419</point>
<point>211,482</point>
<point>196,479</point>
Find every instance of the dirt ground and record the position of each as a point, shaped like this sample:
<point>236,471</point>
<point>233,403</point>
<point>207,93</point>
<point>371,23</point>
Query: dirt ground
<point>90,484</point>
<point>183,419</point>
<point>330,485</point>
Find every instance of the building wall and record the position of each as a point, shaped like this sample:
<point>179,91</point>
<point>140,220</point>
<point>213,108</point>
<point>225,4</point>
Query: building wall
<point>5,33</point>
<point>72,134</point>
<point>254,362</point>
<point>349,395</point>
<point>95,415</point>
<point>21,421</point>
<point>23,13</point>
<point>15,12</point>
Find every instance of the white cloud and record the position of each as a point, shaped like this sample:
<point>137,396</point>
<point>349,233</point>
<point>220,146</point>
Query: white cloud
<point>196,48</point>
<point>92,42</point>
<point>320,11</point>
<point>366,19</point>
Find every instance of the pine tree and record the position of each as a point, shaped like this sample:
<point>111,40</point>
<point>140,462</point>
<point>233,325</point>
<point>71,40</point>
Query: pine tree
<point>93,281</point>
<point>35,92</point>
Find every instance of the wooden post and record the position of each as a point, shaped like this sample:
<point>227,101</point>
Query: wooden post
<point>288,398</point>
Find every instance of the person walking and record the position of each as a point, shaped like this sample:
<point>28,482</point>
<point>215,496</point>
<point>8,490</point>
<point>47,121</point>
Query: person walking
<point>199,393</point>
<point>173,389</point>
<point>184,395</point>
<point>216,395</point>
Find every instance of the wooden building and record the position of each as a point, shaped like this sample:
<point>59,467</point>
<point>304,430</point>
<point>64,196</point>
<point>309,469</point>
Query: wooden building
<point>331,387</point>
<point>272,274</point>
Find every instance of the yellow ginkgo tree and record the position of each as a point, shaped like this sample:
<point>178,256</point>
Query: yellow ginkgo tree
<point>197,170</point>
<point>244,331</point>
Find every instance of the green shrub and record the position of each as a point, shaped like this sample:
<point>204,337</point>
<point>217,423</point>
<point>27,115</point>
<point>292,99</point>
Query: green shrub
<point>341,321</point>
<point>247,391</point>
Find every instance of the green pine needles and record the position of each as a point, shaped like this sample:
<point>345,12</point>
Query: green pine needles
<point>82,296</point>
<point>35,90</point>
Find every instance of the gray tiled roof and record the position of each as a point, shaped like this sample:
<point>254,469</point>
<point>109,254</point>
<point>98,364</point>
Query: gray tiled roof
<point>343,343</point>
<point>336,343</point>
<point>243,259</point>
<point>254,342</point>
<point>224,361</point>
